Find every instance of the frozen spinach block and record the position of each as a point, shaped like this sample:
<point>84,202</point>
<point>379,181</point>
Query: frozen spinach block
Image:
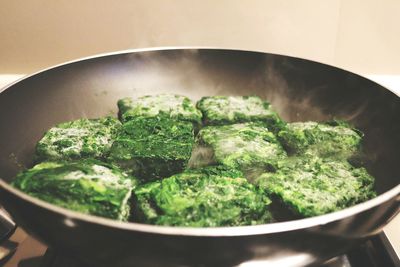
<point>153,148</point>
<point>311,186</point>
<point>207,197</point>
<point>242,146</point>
<point>83,138</point>
<point>334,139</point>
<point>87,186</point>
<point>173,106</point>
<point>220,110</point>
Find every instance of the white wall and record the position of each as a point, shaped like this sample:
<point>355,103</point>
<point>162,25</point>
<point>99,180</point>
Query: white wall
<point>360,35</point>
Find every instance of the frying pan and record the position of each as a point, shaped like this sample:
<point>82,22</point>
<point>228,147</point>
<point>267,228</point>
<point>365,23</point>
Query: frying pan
<point>299,89</point>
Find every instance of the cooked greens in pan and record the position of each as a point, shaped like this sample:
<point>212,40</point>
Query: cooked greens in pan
<point>240,146</point>
<point>174,106</point>
<point>223,110</point>
<point>88,186</point>
<point>153,147</point>
<point>224,161</point>
<point>201,197</point>
<point>311,186</point>
<point>329,139</point>
<point>83,138</point>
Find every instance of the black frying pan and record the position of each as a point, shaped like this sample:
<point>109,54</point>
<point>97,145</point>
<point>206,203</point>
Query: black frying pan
<point>299,90</point>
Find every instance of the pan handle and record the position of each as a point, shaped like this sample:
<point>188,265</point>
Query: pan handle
<point>7,225</point>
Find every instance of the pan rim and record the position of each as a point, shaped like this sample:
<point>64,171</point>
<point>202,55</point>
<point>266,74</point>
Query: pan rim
<point>207,231</point>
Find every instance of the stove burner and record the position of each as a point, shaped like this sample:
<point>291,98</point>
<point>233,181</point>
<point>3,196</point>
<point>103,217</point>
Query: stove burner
<point>7,226</point>
<point>7,247</point>
<point>376,252</point>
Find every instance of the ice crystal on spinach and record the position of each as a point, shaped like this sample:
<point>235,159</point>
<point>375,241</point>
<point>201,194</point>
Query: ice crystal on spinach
<point>244,146</point>
<point>174,106</point>
<point>83,138</point>
<point>222,110</point>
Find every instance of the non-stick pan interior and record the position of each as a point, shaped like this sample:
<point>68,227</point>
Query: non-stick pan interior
<point>300,90</point>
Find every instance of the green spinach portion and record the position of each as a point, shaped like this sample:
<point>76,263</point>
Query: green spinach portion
<point>206,197</point>
<point>83,138</point>
<point>312,186</point>
<point>222,110</point>
<point>153,147</point>
<point>332,139</point>
<point>243,146</point>
<point>170,105</point>
<point>87,186</point>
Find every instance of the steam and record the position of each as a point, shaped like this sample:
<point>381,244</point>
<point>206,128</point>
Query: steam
<point>204,156</point>
<point>201,156</point>
<point>196,73</point>
<point>178,72</point>
<point>279,94</point>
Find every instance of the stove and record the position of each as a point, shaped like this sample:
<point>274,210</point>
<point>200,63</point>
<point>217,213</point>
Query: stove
<point>23,250</point>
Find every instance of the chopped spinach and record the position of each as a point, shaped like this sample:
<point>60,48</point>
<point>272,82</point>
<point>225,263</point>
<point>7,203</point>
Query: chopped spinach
<point>221,110</point>
<point>312,186</point>
<point>170,105</point>
<point>322,139</point>
<point>207,197</point>
<point>204,186</point>
<point>243,146</point>
<point>83,138</point>
<point>87,186</point>
<point>153,147</point>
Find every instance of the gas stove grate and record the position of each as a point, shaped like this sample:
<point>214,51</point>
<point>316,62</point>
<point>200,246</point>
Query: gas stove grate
<point>376,252</point>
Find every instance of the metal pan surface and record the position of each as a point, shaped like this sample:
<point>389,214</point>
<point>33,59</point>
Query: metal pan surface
<point>299,89</point>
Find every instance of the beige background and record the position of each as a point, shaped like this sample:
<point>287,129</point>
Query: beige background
<point>359,35</point>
